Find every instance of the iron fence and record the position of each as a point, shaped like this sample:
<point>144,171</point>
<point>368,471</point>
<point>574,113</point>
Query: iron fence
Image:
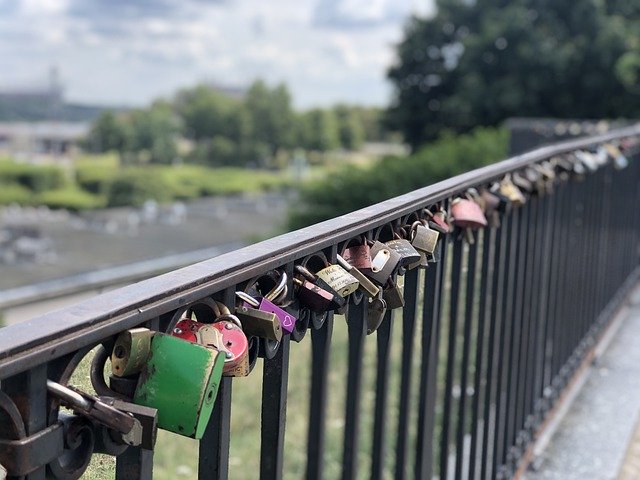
<point>491,333</point>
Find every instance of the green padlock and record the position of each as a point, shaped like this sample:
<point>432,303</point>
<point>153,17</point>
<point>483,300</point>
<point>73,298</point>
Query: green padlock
<point>181,380</point>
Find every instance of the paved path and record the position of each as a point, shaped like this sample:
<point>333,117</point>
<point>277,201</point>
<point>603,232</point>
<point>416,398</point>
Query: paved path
<point>599,438</point>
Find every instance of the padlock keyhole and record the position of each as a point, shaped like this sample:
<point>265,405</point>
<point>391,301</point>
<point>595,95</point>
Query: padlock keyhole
<point>119,351</point>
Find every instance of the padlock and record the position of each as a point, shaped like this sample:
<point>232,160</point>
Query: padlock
<point>339,279</point>
<point>375,313</point>
<point>313,297</point>
<point>358,256</point>
<point>228,338</point>
<point>257,321</point>
<point>522,183</point>
<point>548,174</point>
<point>234,344</point>
<point>491,206</point>
<point>338,301</point>
<point>366,285</point>
<point>274,300</point>
<point>424,238</point>
<point>384,262</point>
<point>94,408</point>
<point>225,336</point>
<point>620,161</point>
<point>392,295</point>
<point>588,159</point>
<point>181,381</point>
<point>130,351</point>
<point>467,214</point>
<point>409,256</point>
<point>512,192</point>
<point>187,329</point>
<point>438,220</point>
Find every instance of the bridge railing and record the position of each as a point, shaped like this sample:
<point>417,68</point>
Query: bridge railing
<point>491,334</point>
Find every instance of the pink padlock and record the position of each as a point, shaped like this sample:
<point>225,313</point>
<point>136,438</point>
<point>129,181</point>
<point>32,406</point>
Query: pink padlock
<point>467,214</point>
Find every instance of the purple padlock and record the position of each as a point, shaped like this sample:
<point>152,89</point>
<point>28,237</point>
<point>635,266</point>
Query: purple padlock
<point>287,320</point>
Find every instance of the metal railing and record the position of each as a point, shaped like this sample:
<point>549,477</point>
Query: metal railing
<point>491,335</point>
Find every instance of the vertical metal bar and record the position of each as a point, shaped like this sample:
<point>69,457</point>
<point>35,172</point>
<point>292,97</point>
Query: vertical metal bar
<point>378,456</point>
<point>357,332</point>
<point>488,244</point>
<point>321,348</point>
<point>466,346</point>
<point>517,328</point>
<point>496,321</point>
<point>213,461</point>
<point>136,463</point>
<point>28,390</point>
<point>433,287</point>
<point>456,278</point>
<point>275,379</point>
<point>411,294</point>
<point>503,365</point>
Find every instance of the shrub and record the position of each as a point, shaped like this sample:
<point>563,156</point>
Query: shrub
<point>36,178</point>
<point>95,180</point>
<point>14,193</point>
<point>70,198</point>
<point>356,187</point>
<point>135,186</point>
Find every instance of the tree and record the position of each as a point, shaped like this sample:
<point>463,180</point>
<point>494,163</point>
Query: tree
<point>108,132</point>
<point>350,130</point>
<point>271,115</point>
<point>318,130</point>
<point>154,133</point>
<point>208,113</point>
<point>477,63</point>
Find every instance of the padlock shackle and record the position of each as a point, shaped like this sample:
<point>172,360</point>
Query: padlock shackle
<point>278,289</point>
<point>68,396</point>
<point>248,298</point>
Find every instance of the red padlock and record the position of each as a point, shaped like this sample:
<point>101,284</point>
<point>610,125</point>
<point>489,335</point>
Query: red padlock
<point>187,329</point>
<point>467,214</point>
<point>236,348</point>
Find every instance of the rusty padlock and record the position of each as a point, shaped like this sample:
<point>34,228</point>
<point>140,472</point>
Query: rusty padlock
<point>314,298</point>
<point>358,256</point>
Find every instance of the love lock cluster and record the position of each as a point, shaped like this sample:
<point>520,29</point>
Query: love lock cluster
<point>217,342</point>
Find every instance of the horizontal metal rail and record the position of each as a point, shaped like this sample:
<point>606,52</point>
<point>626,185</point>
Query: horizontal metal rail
<point>490,334</point>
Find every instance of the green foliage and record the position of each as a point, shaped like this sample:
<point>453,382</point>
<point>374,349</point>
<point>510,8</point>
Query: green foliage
<point>350,129</point>
<point>108,132</point>
<point>70,198</point>
<point>207,113</point>
<point>36,178</point>
<point>134,186</point>
<point>154,133</point>
<point>271,115</point>
<point>318,130</point>
<point>357,187</point>
<point>14,193</point>
<point>478,63</point>
<point>209,127</point>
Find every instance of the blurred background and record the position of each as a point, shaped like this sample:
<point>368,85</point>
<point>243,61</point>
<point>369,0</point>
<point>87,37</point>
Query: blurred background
<point>136,137</point>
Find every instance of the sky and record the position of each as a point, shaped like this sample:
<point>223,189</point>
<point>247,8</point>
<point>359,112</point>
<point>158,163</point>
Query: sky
<point>129,52</point>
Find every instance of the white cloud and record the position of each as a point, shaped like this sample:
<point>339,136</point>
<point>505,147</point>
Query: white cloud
<point>106,56</point>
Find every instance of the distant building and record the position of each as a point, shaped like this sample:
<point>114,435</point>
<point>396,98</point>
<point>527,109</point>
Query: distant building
<point>40,141</point>
<point>43,103</point>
